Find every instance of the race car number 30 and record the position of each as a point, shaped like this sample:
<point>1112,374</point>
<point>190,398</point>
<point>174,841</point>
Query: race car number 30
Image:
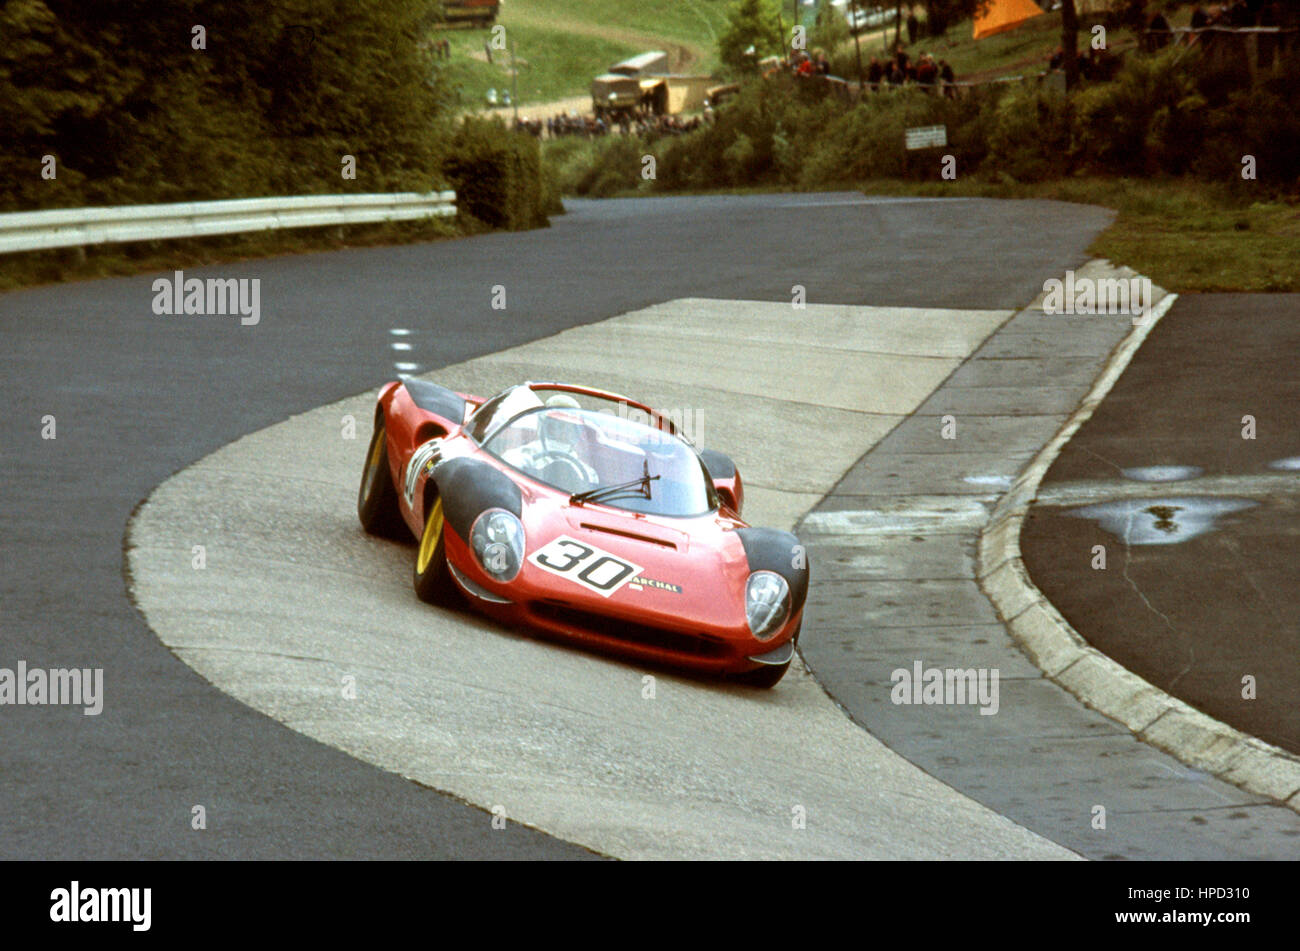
<point>586,565</point>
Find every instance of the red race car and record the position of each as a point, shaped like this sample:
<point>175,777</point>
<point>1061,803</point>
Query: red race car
<point>588,517</point>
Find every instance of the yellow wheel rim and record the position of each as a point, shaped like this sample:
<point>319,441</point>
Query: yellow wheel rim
<point>373,472</point>
<point>429,540</point>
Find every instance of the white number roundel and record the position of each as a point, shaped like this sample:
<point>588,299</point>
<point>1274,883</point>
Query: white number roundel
<point>584,564</point>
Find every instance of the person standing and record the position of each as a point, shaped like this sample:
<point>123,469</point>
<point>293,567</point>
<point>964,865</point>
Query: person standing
<point>949,78</point>
<point>1157,33</point>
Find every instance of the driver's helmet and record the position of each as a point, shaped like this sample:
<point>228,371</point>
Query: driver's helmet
<point>560,431</point>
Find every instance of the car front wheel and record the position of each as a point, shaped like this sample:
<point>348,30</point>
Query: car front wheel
<point>432,579</point>
<point>377,497</point>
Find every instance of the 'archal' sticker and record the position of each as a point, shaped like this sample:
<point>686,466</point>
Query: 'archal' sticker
<point>584,564</point>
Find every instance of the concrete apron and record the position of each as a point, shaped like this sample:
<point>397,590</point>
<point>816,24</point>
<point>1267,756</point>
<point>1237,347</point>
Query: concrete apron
<point>900,582</point>
<point>295,602</point>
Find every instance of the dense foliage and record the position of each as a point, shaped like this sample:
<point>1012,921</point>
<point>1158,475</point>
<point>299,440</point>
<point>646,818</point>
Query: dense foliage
<point>498,176</point>
<point>141,101</point>
<point>1170,114</point>
<point>752,31</point>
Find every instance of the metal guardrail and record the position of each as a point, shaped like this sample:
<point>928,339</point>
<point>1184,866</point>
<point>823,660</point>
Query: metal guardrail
<point>72,227</point>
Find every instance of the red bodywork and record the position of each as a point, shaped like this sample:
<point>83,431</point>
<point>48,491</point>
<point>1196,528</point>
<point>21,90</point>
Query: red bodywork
<point>689,613</point>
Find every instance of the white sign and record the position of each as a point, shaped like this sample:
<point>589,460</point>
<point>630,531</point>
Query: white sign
<point>927,137</point>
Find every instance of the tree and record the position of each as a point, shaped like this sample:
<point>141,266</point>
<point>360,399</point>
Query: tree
<point>829,32</point>
<point>135,107</point>
<point>940,13</point>
<point>750,34</point>
<point>1070,43</point>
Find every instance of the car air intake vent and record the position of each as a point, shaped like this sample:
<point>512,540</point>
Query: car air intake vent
<point>587,622</point>
<point>661,542</point>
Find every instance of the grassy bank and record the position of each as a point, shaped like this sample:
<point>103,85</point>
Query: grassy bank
<point>1186,236</point>
<point>1023,51</point>
<point>552,64</point>
<point>561,45</point>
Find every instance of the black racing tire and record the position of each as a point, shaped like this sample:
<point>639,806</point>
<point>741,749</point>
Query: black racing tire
<point>764,677</point>
<point>377,497</point>
<point>770,675</point>
<point>432,577</point>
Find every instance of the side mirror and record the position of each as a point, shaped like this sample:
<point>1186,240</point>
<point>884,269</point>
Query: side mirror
<point>726,479</point>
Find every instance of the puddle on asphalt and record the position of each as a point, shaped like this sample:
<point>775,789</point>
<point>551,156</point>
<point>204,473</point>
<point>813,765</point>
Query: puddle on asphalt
<point>996,481</point>
<point>1286,465</point>
<point>1162,473</point>
<point>1160,521</point>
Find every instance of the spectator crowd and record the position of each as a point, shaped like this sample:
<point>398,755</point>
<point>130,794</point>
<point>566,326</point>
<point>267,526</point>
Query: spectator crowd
<point>1208,23</point>
<point>1241,13</point>
<point>627,122</point>
<point>897,70</point>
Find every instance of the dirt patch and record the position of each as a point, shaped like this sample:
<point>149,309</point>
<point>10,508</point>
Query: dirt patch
<point>681,56</point>
<point>542,110</point>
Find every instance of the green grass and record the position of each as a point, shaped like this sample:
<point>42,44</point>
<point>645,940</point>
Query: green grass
<point>563,44</point>
<point>686,22</point>
<point>1023,51</point>
<point>1187,236</point>
<point>552,64</point>
<point>1004,54</point>
<point>1214,248</point>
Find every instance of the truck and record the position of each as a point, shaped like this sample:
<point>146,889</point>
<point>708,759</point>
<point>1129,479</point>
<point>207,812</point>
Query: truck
<point>635,86</point>
<point>468,13</point>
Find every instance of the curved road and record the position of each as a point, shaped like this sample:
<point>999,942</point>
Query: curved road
<point>137,396</point>
<point>1216,599</point>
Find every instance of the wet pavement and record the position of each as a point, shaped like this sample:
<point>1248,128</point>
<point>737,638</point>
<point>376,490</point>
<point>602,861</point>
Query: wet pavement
<point>895,585</point>
<point>1168,530</point>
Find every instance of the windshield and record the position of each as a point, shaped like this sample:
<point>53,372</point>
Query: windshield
<point>578,450</point>
<point>495,412</point>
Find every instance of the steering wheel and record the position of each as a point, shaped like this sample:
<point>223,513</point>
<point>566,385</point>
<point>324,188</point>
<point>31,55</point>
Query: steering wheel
<point>567,462</point>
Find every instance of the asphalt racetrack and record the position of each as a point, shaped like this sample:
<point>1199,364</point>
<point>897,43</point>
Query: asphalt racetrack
<point>1198,446</point>
<point>137,397</point>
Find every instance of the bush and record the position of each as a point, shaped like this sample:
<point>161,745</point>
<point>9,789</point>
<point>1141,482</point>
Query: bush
<point>761,137</point>
<point>1262,121</point>
<point>133,113</point>
<point>1151,119</point>
<point>497,174</point>
<point>1028,135</point>
<point>1161,115</point>
<point>615,166</point>
<point>867,141</point>
<point>750,23</point>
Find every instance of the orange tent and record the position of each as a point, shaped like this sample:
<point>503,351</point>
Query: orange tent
<point>1003,15</point>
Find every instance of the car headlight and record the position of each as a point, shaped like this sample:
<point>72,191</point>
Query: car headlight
<point>497,538</point>
<point>767,604</point>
